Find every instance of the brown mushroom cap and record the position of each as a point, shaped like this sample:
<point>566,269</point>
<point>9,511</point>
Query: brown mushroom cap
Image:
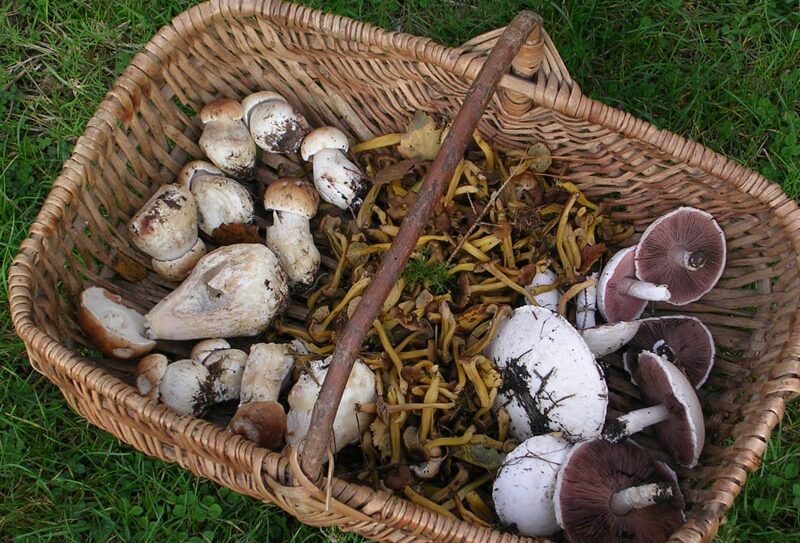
<point>596,470</point>
<point>226,109</point>
<point>263,423</point>
<point>292,196</point>
<point>149,372</point>
<point>685,250</point>
<point>685,341</point>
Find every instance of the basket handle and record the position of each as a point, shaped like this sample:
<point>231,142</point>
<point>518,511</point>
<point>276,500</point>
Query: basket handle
<point>439,173</point>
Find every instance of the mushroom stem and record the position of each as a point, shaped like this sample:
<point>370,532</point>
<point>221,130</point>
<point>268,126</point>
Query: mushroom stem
<point>634,422</point>
<point>290,239</point>
<point>692,260</point>
<point>644,290</point>
<point>639,497</point>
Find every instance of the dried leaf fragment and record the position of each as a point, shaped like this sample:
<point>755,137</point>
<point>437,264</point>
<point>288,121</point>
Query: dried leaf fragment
<point>422,139</point>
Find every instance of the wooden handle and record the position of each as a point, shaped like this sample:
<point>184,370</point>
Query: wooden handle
<point>433,187</point>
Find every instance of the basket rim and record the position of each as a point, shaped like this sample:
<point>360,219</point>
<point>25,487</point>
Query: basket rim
<point>555,91</point>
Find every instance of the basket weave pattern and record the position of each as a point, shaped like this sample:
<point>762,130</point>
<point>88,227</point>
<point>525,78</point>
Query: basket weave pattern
<point>368,81</point>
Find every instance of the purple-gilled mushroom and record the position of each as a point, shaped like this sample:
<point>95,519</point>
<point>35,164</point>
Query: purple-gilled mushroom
<point>620,295</point>
<point>549,298</point>
<point>674,410</point>
<point>526,483</point>
<point>616,493</point>
<point>233,291</point>
<point>685,250</point>
<point>608,338</point>
<point>551,381</point>
<point>683,340</point>
<point>115,328</point>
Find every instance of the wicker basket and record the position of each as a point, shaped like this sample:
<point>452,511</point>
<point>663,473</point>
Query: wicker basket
<point>368,81</point>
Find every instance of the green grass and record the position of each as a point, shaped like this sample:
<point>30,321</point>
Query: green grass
<point>724,73</point>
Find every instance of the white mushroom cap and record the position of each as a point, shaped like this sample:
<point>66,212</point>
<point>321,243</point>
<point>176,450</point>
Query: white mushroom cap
<point>226,141</point>
<point>608,338</point>
<point>349,422</point>
<point>180,268</point>
<point>115,328</point>
<point>221,201</point>
<point>268,368</point>
<point>526,482</point>
<point>187,387</point>
<point>549,299</point>
<point>204,348</point>
<point>166,226</point>
<point>326,137</point>
<point>339,181</point>
<point>274,124</point>
<point>257,98</point>
<point>233,291</point>
<point>194,170</point>
<point>551,381</point>
<point>226,367</point>
<point>149,372</point>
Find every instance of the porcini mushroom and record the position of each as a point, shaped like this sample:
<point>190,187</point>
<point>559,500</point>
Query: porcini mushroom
<point>673,408</point>
<point>226,368</point>
<point>551,381</point>
<point>622,297</point>
<point>115,328</point>
<point>187,387</point>
<point>526,482</point>
<point>616,493</point>
<point>149,372</point>
<point>685,341</point>
<point>263,423</point>
<point>349,422</point>
<point>549,298</point>
<point>273,123</point>
<point>166,226</point>
<point>608,338</point>
<point>220,200</point>
<point>685,250</point>
<point>233,291</point>
<point>293,203</point>
<point>180,268</point>
<point>326,137</point>
<point>204,348</point>
<point>339,181</point>
<point>226,141</point>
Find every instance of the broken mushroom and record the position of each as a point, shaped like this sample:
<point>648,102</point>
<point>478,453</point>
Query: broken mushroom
<point>616,493</point>
<point>149,372</point>
<point>226,141</point>
<point>273,123</point>
<point>293,203</point>
<point>674,409</point>
<point>233,291</point>
<point>116,329</point>
<point>220,200</point>
<point>179,268</point>
<point>685,250</point>
<point>620,295</point>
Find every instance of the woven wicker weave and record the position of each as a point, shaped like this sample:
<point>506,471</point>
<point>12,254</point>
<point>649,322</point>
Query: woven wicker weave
<point>368,81</point>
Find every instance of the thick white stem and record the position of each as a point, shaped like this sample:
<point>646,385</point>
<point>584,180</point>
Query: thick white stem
<point>638,420</point>
<point>644,290</point>
<point>586,307</point>
<point>290,239</point>
<point>265,373</point>
<point>638,497</point>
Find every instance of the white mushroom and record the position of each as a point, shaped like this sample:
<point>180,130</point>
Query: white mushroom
<point>526,482</point>
<point>233,291</point>
<point>339,181</point>
<point>204,348</point>
<point>149,372</point>
<point>220,200</point>
<point>586,306</point>
<point>349,422</point>
<point>226,367</point>
<point>326,137</point>
<point>273,123</point>
<point>166,226</point>
<point>550,297</point>
<point>180,268</point>
<point>116,329</point>
<point>293,202</point>
<point>226,140</point>
<point>187,387</point>
<point>608,338</point>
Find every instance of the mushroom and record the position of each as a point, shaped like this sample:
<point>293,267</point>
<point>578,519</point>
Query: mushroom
<point>260,418</point>
<point>115,328</point>
<point>226,367</point>
<point>526,482</point>
<point>226,140</point>
<point>428,460</point>
<point>220,200</point>
<point>685,250</point>
<point>204,348</point>
<point>187,387</point>
<point>349,422</point>
<point>180,268</point>
<point>548,299</point>
<point>551,381</point>
<point>609,493</point>
<point>149,372</point>
<point>673,408</point>
<point>326,137</point>
<point>293,202</point>
<point>339,181</point>
<point>233,291</point>
<point>685,341</point>
<point>275,126</point>
<point>586,306</point>
<point>622,297</point>
<point>608,338</point>
<point>166,226</point>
